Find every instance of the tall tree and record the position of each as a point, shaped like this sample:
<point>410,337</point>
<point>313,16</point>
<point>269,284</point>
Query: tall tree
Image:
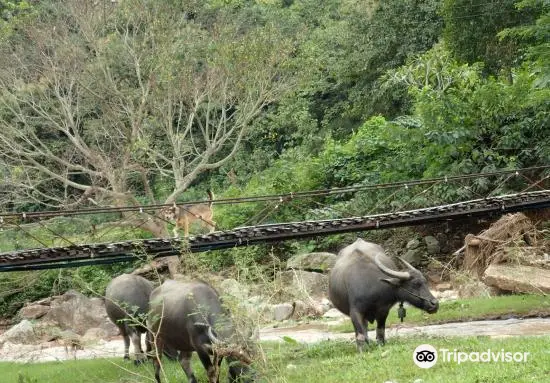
<point>471,28</point>
<point>535,38</point>
<point>96,101</point>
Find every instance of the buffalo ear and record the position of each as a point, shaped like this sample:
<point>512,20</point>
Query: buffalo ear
<point>392,281</point>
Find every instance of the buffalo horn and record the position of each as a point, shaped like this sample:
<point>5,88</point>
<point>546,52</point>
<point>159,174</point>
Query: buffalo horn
<point>409,266</point>
<point>212,337</point>
<point>390,272</point>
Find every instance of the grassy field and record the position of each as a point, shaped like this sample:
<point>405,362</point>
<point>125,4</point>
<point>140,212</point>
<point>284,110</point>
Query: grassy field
<point>339,362</point>
<point>324,362</point>
<point>470,309</point>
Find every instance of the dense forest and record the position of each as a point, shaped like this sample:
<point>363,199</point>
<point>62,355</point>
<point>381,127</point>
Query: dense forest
<point>129,102</point>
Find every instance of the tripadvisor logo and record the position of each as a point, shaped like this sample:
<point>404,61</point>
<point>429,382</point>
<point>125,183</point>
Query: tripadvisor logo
<point>426,356</point>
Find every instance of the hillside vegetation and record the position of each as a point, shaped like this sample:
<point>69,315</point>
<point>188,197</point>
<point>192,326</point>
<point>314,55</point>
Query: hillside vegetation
<point>155,101</point>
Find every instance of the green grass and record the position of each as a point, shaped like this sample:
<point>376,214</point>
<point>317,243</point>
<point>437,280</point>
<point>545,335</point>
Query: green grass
<point>471,309</point>
<point>329,361</point>
<point>339,362</point>
<point>92,370</point>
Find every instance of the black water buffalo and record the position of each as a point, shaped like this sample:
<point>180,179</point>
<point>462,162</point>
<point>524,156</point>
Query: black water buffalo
<point>127,305</point>
<point>364,284</point>
<point>189,317</point>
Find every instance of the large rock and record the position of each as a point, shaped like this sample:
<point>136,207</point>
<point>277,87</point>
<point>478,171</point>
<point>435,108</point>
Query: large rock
<point>321,261</point>
<point>413,244</point>
<point>308,282</point>
<point>334,314</point>
<point>432,245</point>
<point>282,311</point>
<point>78,313</point>
<point>414,256</point>
<point>33,311</point>
<point>518,278</point>
<point>23,332</point>
<point>256,309</point>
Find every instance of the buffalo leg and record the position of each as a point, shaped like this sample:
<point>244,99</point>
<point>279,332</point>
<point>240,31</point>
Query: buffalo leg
<point>124,332</point>
<point>148,343</point>
<point>381,328</point>
<point>185,361</point>
<point>136,342</point>
<point>218,363</point>
<point>211,369</point>
<point>361,329</point>
<point>157,357</point>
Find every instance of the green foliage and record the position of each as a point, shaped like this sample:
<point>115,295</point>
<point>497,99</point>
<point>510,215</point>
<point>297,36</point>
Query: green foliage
<point>12,13</point>
<point>471,29</point>
<point>536,39</point>
<point>293,171</point>
<point>469,123</point>
<point>364,157</point>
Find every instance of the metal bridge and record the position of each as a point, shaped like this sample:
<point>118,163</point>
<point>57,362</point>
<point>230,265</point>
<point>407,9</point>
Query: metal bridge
<point>103,253</point>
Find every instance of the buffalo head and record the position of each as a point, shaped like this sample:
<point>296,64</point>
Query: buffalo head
<point>411,286</point>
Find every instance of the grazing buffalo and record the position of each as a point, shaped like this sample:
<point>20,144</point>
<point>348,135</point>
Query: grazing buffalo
<point>189,317</point>
<point>127,304</point>
<point>364,284</point>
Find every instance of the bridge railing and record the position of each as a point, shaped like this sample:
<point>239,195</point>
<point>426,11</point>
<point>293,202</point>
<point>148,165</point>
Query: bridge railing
<point>145,249</point>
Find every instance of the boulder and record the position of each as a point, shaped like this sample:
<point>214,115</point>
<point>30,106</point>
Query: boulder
<point>282,311</point>
<point>321,262</point>
<point>77,312</point>
<point>300,310</point>
<point>326,305</point>
<point>413,244</point>
<point>474,288</point>
<point>109,329</point>
<point>432,245</point>
<point>306,309</point>
<point>256,309</point>
<point>518,278</point>
<point>33,311</point>
<point>334,314</point>
<point>414,256</point>
<point>23,332</point>
<point>308,282</point>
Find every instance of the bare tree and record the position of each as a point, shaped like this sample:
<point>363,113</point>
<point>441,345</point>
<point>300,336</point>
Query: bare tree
<point>94,104</point>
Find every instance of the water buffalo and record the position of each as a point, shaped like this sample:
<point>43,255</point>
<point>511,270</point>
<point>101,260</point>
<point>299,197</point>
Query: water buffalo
<point>189,317</point>
<point>364,284</point>
<point>127,304</point>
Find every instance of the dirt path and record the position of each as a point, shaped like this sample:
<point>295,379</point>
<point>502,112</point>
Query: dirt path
<point>494,328</point>
<point>306,333</point>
